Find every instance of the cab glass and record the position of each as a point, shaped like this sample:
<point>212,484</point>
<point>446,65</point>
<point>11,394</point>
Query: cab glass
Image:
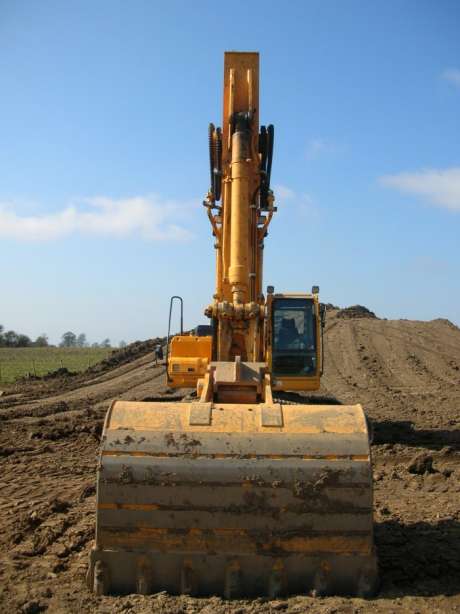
<point>294,337</point>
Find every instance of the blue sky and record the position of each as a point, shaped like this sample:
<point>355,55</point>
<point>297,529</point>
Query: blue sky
<point>104,108</point>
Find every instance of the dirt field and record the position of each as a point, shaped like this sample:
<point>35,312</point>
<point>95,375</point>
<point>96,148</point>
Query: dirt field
<point>405,373</point>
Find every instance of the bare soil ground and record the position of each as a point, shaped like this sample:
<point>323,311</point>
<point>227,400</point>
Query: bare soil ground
<point>406,374</point>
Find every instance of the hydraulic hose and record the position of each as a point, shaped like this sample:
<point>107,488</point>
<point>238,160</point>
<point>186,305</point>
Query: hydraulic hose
<point>217,163</point>
<point>211,130</point>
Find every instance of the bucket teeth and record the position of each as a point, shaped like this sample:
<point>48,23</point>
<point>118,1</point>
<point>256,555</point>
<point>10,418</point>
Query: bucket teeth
<point>367,582</point>
<point>276,581</point>
<point>101,579</point>
<point>232,581</point>
<point>144,578</point>
<point>188,584</point>
<point>320,583</point>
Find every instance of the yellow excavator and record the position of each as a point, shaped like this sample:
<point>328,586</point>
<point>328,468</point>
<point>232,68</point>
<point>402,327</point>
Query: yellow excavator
<point>247,489</point>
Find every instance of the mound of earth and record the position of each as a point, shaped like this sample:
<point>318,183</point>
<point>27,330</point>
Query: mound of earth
<point>355,311</point>
<point>330,307</point>
<point>57,373</point>
<point>447,322</point>
<point>134,350</point>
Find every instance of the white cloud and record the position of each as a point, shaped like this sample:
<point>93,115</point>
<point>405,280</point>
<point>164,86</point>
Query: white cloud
<point>452,75</point>
<point>282,192</point>
<point>318,147</point>
<point>150,217</point>
<point>307,206</point>
<point>303,202</point>
<point>440,187</point>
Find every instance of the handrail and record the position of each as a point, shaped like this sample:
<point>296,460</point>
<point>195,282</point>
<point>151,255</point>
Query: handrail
<point>171,303</point>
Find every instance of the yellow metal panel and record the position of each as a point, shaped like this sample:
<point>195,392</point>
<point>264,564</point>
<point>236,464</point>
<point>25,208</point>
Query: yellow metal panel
<point>188,359</point>
<point>237,418</point>
<point>190,346</point>
<point>238,84</point>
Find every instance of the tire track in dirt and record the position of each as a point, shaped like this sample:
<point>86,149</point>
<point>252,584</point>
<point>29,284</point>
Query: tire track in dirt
<point>94,394</point>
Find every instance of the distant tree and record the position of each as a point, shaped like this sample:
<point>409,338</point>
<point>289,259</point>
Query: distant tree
<point>81,340</point>
<point>69,340</point>
<point>41,341</point>
<point>105,343</point>
<point>122,344</point>
<point>95,345</point>
<point>23,341</point>
<point>10,339</point>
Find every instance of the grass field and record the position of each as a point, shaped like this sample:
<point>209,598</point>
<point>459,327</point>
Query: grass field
<point>19,362</point>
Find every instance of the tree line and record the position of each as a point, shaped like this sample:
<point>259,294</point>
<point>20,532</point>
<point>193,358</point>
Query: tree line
<point>12,339</point>
<point>71,340</point>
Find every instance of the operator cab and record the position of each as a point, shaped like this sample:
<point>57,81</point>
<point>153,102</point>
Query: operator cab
<point>296,322</point>
<point>294,336</point>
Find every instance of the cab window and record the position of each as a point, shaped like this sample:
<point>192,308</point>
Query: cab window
<point>294,336</point>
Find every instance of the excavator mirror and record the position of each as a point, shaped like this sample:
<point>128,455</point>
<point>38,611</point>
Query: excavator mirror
<point>322,313</point>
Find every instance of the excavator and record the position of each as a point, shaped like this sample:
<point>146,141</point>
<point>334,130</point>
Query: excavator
<point>248,488</point>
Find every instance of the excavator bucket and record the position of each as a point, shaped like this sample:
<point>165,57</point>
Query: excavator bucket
<point>234,500</point>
